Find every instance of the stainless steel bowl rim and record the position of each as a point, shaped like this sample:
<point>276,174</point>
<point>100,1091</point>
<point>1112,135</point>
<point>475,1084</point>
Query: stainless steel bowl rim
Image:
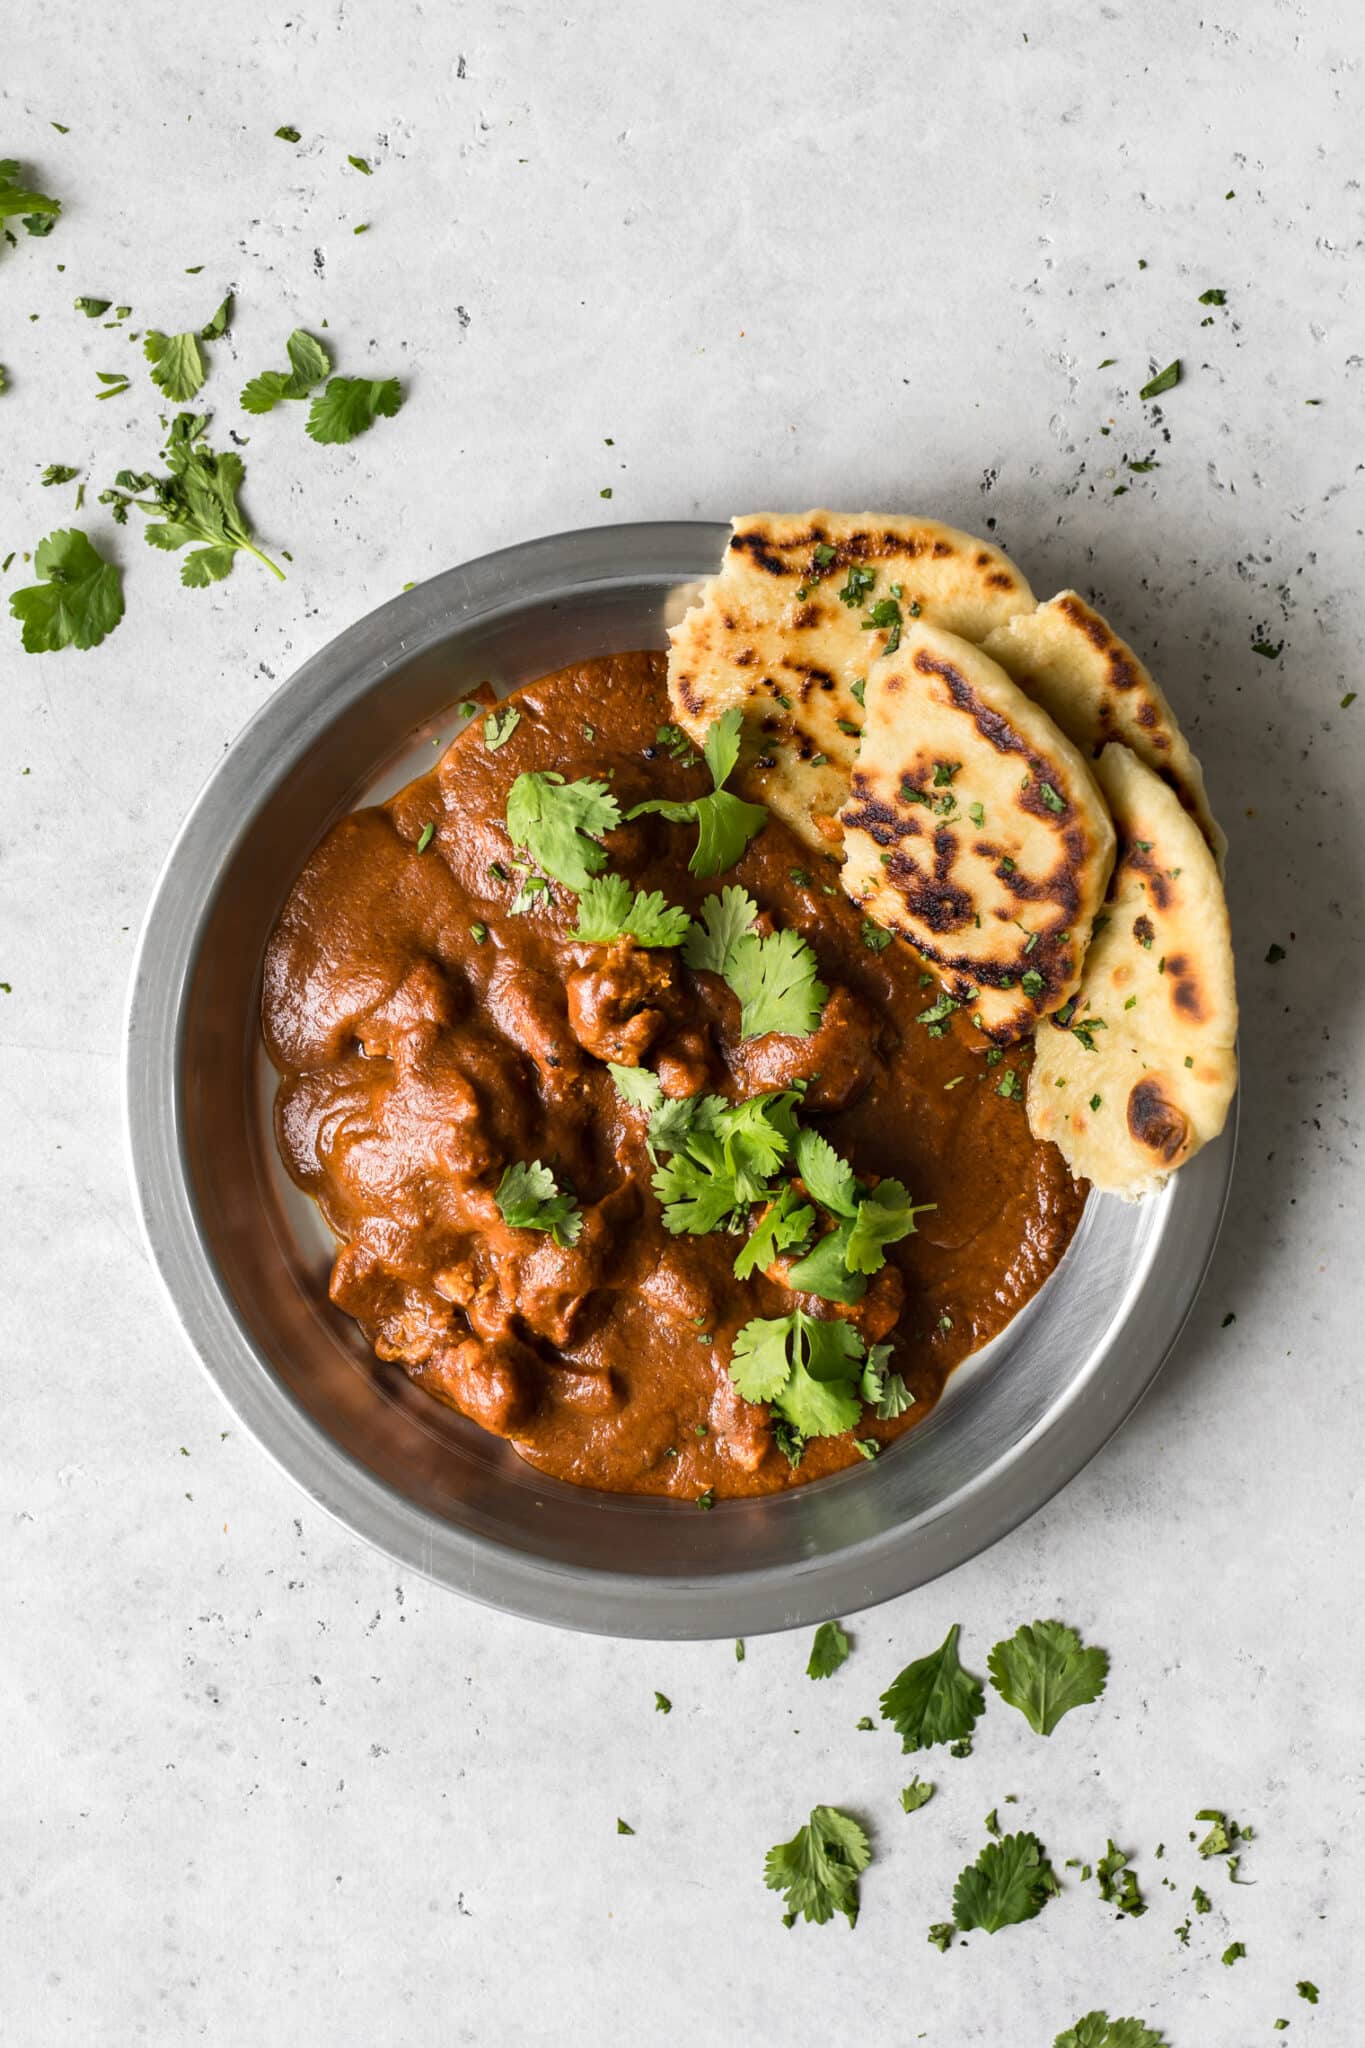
<point>1101,1393</point>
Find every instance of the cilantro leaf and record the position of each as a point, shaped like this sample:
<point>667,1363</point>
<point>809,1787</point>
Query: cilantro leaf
<point>941,1935</point>
<point>607,910</point>
<point>1097,2030</point>
<point>20,201</point>
<point>827,1178</point>
<point>309,363</point>
<point>197,501</point>
<point>934,1700</point>
<point>178,366</point>
<point>350,406</point>
<point>1307,1990</point>
<point>724,1155</point>
<point>915,1795</point>
<point>559,823</point>
<point>1044,1671</point>
<point>1118,1884</point>
<point>818,1869</point>
<point>216,326</point>
<point>804,1367</point>
<point>785,1224</point>
<point>725,823</point>
<point>885,1215</point>
<point>825,1271</point>
<point>777,984</point>
<point>1010,1881</point>
<point>1165,380</point>
<point>637,1086</point>
<point>884,1391</point>
<point>78,599</point>
<point>829,1650</point>
<point>722,920</point>
<point>530,1199</point>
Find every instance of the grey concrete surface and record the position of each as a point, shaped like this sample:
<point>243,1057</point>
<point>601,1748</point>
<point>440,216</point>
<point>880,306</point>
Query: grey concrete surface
<point>256,1788</point>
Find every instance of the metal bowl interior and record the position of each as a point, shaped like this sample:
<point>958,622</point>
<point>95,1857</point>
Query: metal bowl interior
<point>244,1257</point>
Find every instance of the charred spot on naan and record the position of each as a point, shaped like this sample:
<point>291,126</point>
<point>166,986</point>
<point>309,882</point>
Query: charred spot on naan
<point>1157,1123</point>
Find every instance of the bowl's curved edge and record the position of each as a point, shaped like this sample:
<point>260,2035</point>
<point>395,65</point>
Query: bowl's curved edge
<point>1014,1488</point>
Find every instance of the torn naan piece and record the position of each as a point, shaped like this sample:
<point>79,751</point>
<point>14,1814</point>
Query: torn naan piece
<point>975,830</point>
<point>1071,661</point>
<point>802,605</point>
<point>1134,1077</point>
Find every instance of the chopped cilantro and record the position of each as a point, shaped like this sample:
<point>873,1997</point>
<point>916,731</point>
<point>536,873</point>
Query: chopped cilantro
<point>1234,1952</point>
<point>706,1501</point>
<point>358,163</point>
<point>858,583</point>
<point>478,933</point>
<point>829,1650</point>
<point>350,406</point>
<point>817,1871</point>
<point>1044,1671</point>
<point>1118,1883</point>
<point>885,616</point>
<point>530,1199</point>
<point>934,1700</point>
<point>977,814</point>
<point>1307,1990</point>
<point>1165,380</point>
<point>662,1703</point>
<point>1050,797</point>
<point>674,741</point>
<point>607,910</point>
<point>941,1934</point>
<point>1095,1101</point>
<point>558,823</point>
<point>1011,1881</point>
<point>425,837</point>
<point>874,937</point>
<point>623,1827</point>
<point>177,360</point>
<point>1274,955</point>
<point>914,1795</point>
<point>58,473</point>
<point>1270,650</point>
<point>309,363</point>
<point>78,598</point>
<point>92,308</point>
<point>1214,296</point>
<point>1009,1086</point>
<point>288,134</point>
<point>1097,2030</point>
<point>1202,1902</point>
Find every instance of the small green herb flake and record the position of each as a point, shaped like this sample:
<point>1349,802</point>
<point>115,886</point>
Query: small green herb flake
<point>287,134</point>
<point>499,727</point>
<point>941,1934</point>
<point>478,933</point>
<point>874,937</point>
<point>1165,380</point>
<point>1269,650</point>
<point>914,1795</point>
<point>425,837</point>
<point>829,1650</point>
<point>623,1827</point>
<point>662,1703</point>
<point>1214,296</point>
<point>1307,1990</point>
<point>358,163</point>
<point>605,492</point>
<point>739,1649</point>
<point>1274,955</point>
<point>1349,699</point>
<point>92,308</point>
<point>1234,1952</point>
<point>706,1501</point>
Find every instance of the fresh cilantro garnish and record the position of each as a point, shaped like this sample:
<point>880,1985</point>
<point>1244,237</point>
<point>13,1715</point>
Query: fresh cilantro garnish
<point>1044,1671</point>
<point>1234,1952</point>
<point>1307,1990</point>
<point>288,134</point>
<point>58,473</point>
<point>817,1871</point>
<point>662,1703</point>
<point>350,406</point>
<point>530,1199</point>
<point>1223,1836</point>
<point>675,741</point>
<point>829,1650</point>
<point>725,823</point>
<point>177,360</point>
<point>20,201</point>
<point>1165,380</point>
<point>1009,1086</point>
<point>724,1157</point>
<point>941,1934</point>
<point>1118,1883</point>
<point>883,1391</point>
<point>558,823</point>
<point>885,1215</point>
<point>92,308</point>
<point>216,326</point>
<point>196,502</point>
<point>637,1086</point>
<point>425,836</point>
<point>623,1827</point>
<point>309,363</point>
<point>934,1700</point>
<point>774,977</point>
<point>977,814</point>
<point>1050,797</point>
<point>859,582</point>
<point>885,613</point>
<point>1097,2030</point>
<point>784,1224</point>
<point>78,599</point>
<point>874,938</point>
<point>1213,297</point>
<point>358,163</point>
<point>1202,1902</point>
<point>607,909</point>
<point>804,1367</point>
<point>1085,1028</point>
<point>1010,1881</point>
<point>914,1795</point>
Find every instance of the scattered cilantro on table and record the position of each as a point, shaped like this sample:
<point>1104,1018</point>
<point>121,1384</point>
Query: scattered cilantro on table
<point>530,1199</point>
<point>941,1935</point>
<point>178,365</point>
<point>559,823</point>
<point>19,201</point>
<point>725,823</point>
<point>817,1871</point>
<point>1234,1952</point>
<point>77,600</point>
<point>1097,2030</point>
<point>1010,1881</point>
<point>1044,1671</point>
<point>608,909</point>
<point>1165,380</point>
<point>1118,1883</point>
<point>1307,1990</point>
<point>350,406</point>
<point>914,1795</point>
<point>934,1700</point>
<point>829,1650</point>
<point>197,501</point>
<point>662,1703</point>
<point>309,363</point>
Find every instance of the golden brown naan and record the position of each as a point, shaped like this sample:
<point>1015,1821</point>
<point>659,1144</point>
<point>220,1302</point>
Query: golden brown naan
<point>1145,1068</point>
<point>975,830</point>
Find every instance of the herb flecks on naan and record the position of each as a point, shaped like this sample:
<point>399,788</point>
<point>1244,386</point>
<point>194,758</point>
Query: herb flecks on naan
<point>1134,1077</point>
<point>975,830</point>
<point>1071,661</point>
<point>803,604</point>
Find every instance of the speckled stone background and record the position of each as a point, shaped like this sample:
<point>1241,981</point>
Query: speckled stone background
<point>256,1788</point>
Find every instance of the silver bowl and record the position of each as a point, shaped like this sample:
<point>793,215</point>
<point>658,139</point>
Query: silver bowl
<point>244,1258</point>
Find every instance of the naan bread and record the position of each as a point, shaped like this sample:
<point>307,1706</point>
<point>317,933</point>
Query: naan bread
<point>1157,1001</point>
<point>1072,662</point>
<point>772,635</point>
<point>975,830</point>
